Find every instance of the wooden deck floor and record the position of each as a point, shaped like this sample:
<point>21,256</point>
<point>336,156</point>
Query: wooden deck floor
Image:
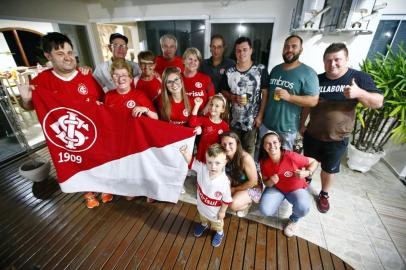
<point>42,228</point>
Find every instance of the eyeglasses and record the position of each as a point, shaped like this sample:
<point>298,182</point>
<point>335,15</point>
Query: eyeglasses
<point>119,46</point>
<point>117,76</point>
<point>177,81</point>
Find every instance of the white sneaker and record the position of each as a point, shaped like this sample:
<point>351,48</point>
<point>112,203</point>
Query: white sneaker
<point>290,229</point>
<point>243,213</point>
<point>183,191</point>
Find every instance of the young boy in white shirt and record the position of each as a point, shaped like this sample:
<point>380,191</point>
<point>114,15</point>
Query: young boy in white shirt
<point>213,191</point>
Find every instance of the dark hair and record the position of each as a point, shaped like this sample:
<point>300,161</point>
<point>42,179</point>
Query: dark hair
<point>146,56</point>
<point>217,36</point>
<point>237,163</point>
<point>294,36</point>
<point>54,40</point>
<point>336,47</point>
<point>118,35</point>
<point>262,153</point>
<point>241,40</point>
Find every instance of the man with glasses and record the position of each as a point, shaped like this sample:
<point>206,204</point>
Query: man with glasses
<point>169,45</point>
<point>118,47</point>
<point>216,65</point>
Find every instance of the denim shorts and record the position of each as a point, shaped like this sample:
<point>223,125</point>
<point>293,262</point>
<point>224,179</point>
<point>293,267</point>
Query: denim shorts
<point>329,154</point>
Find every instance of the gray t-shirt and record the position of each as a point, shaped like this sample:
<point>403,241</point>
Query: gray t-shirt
<point>103,76</point>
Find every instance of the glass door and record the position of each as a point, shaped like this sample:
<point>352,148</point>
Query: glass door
<point>19,129</point>
<point>12,141</point>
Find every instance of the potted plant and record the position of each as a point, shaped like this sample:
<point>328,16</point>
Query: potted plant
<point>375,127</point>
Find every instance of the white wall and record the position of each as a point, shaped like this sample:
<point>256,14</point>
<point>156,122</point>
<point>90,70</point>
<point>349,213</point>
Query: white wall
<point>44,10</point>
<point>279,11</point>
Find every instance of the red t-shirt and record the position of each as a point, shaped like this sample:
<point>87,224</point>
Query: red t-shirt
<point>210,133</point>
<point>179,114</point>
<point>199,86</point>
<point>152,88</point>
<point>290,162</point>
<point>78,87</point>
<point>162,63</point>
<point>128,101</point>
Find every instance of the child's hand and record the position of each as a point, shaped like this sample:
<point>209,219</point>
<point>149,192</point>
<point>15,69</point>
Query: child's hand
<point>221,215</point>
<point>198,101</point>
<point>183,149</point>
<point>198,130</point>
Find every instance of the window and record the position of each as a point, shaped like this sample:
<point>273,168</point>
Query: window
<point>389,32</point>
<point>189,33</point>
<point>259,33</point>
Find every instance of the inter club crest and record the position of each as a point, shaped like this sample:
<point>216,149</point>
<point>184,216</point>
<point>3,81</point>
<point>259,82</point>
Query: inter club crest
<point>288,174</point>
<point>198,85</point>
<point>130,104</point>
<point>82,89</point>
<point>69,129</point>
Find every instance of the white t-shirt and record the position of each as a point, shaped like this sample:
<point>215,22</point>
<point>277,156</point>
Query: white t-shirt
<point>211,193</point>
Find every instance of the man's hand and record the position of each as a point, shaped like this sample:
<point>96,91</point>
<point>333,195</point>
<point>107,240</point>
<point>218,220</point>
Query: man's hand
<point>85,70</point>
<point>258,121</point>
<point>283,94</point>
<point>24,87</point>
<point>352,91</point>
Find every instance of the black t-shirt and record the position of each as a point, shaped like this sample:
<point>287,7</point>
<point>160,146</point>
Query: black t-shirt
<point>333,117</point>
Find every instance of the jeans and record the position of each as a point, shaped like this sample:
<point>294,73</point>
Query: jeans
<point>272,198</point>
<point>248,139</point>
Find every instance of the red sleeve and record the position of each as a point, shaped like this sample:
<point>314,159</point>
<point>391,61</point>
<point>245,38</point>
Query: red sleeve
<point>99,90</point>
<point>299,160</point>
<point>264,169</point>
<point>145,101</point>
<point>106,99</point>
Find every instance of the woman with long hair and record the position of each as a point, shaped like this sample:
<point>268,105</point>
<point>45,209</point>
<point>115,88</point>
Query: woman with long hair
<point>241,169</point>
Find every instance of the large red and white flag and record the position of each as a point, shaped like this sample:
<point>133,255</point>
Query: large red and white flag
<point>98,149</point>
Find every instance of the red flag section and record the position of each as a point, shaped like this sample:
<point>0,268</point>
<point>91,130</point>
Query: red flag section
<point>104,150</point>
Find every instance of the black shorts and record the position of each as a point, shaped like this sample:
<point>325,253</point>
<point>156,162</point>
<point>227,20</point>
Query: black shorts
<point>327,153</point>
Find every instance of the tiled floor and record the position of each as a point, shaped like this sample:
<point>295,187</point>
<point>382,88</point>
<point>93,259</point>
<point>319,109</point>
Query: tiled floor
<point>366,225</point>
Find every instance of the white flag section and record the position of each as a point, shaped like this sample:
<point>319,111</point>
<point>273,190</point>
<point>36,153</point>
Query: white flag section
<point>156,173</point>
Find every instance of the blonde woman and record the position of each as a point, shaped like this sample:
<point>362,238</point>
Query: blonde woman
<point>197,84</point>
